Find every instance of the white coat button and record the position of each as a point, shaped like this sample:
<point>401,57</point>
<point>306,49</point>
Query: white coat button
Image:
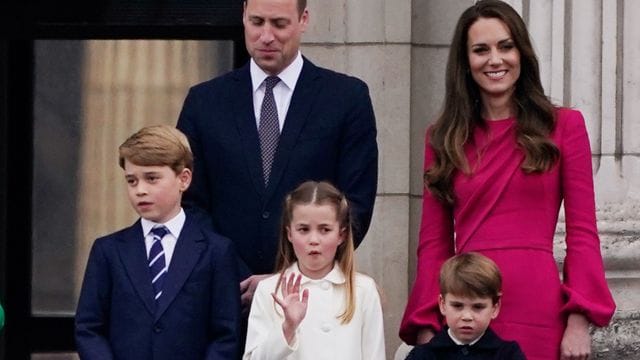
<point>325,285</point>
<point>325,327</point>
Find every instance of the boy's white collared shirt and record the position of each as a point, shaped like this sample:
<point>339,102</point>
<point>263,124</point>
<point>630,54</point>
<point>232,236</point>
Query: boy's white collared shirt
<point>320,335</point>
<point>458,342</point>
<point>169,241</point>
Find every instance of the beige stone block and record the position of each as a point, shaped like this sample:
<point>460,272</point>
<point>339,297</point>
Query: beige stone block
<point>383,256</point>
<point>613,183</point>
<point>620,245</point>
<point>432,22</point>
<point>332,57</point>
<point>586,77</point>
<point>555,89</point>
<point>625,288</point>
<point>365,21</point>
<point>428,67</point>
<point>618,189</point>
<point>397,20</point>
<point>333,21</point>
<point>609,110</point>
<point>327,22</point>
<point>385,69</point>
<point>541,30</point>
<point>631,78</point>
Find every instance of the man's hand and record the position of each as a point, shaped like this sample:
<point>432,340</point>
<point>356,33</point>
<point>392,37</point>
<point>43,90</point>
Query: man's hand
<point>248,287</point>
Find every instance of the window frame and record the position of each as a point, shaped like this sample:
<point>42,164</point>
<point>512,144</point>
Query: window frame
<point>24,333</point>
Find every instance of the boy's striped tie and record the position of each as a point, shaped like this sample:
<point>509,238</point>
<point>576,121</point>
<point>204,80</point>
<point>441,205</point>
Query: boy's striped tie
<point>157,265</point>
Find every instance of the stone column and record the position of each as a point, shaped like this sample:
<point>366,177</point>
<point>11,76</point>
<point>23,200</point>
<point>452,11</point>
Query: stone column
<point>371,40</point>
<point>591,53</point>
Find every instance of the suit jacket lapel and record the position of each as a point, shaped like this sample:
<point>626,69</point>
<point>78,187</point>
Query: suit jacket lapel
<point>134,258</point>
<point>185,256</point>
<point>302,102</point>
<point>244,115</point>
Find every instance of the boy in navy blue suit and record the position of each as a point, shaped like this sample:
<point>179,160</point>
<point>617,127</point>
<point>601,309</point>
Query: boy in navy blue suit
<point>470,291</point>
<point>166,287</point>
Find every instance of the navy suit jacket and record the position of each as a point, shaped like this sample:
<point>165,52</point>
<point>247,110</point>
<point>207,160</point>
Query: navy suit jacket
<point>197,316</point>
<point>489,347</point>
<point>329,133</point>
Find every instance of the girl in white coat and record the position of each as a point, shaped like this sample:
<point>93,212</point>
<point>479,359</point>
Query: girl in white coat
<point>317,307</point>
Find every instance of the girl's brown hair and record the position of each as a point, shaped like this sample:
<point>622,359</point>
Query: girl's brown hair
<point>320,193</point>
<point>462,107</point>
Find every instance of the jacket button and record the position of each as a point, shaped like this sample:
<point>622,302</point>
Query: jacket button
<point>157,329</point>
<point>265,215</point>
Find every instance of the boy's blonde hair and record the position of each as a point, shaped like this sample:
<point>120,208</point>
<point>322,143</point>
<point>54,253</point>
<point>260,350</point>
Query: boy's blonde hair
<point>157,145</point>
<point>471,275</point>
<point>320,193</point>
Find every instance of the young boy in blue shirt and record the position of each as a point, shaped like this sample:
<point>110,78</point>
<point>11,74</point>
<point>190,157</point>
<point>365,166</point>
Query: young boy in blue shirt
<point>470,291</point>
<point>165,287</point>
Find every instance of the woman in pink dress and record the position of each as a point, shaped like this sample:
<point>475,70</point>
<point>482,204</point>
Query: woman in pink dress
<point>499,161</point>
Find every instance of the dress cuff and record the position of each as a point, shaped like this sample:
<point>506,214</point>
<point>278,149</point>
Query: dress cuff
<point>598,312</point>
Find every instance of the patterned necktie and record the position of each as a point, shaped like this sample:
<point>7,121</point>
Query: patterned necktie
<point>269,128</point>
<point>157,265</point>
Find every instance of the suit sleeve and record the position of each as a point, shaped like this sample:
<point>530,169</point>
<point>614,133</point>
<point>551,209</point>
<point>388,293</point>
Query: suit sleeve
<point>198,195</point>
<point>434,247</point>
<point>225,306</point>
<point>92,314</point>
<point>358,164</point>
<point>584,283</point>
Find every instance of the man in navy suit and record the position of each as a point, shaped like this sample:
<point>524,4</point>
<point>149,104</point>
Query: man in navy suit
<point>326,131</point>
<point>165,287</point>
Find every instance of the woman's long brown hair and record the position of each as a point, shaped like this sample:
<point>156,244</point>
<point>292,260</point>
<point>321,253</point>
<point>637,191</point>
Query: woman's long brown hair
<point>462,107</point>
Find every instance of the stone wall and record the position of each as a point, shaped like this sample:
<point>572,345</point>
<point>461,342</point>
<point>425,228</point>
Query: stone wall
<point>370,39</point>
<point>589,53</point>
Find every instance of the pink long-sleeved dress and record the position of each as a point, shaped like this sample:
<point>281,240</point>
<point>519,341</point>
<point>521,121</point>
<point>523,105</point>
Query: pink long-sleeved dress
<point>510,216</point>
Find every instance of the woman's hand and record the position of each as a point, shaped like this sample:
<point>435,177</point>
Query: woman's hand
<point>424,336</point>
<point>576,341</point>
<point>294,307</point>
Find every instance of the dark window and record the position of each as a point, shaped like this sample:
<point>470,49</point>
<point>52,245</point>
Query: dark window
<point>74,82</point>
